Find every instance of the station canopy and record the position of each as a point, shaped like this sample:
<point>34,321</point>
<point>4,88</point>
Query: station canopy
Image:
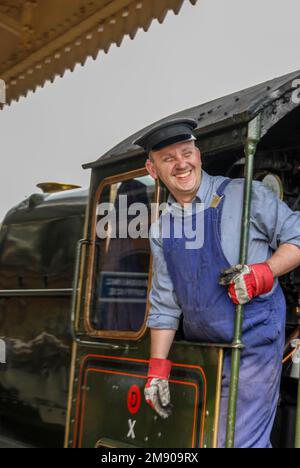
<point>41,39</point>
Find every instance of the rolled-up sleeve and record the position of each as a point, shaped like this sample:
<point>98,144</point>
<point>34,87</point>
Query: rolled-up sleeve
<point>273,219</point>
<point>165,311</point>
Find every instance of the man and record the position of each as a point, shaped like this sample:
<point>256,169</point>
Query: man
<point>204,284</point>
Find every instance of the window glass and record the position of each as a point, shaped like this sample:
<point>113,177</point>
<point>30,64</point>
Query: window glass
<point>122,255</point>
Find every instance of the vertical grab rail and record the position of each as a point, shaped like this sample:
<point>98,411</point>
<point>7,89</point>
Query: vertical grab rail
<point>254,134</point>
<point>81,243</point>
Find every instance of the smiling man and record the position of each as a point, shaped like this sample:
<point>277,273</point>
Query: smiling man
<point>202,285</point>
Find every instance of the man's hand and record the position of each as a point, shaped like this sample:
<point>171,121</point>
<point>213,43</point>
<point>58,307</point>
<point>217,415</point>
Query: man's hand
<point>247,282</point>
<point>157,392</point>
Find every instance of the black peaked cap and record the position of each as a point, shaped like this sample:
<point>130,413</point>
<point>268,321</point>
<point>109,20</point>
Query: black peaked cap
<point>166,134</point>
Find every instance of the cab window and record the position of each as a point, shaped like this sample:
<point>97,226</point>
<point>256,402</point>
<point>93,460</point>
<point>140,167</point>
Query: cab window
<point>122,255</point>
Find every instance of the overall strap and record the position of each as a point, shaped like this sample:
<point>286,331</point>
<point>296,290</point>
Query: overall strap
<point>223,186</point>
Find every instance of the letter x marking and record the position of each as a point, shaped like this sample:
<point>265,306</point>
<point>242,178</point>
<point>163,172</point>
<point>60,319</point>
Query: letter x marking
<point>131,429</point>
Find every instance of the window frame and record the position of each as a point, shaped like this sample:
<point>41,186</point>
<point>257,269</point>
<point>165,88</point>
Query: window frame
<point>113,334</point>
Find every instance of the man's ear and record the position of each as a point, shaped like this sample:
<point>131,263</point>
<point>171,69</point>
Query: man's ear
<point>151,169</point>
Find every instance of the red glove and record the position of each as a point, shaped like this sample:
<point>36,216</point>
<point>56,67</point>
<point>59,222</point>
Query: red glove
<point>246,282</point>
<point>157,392</point>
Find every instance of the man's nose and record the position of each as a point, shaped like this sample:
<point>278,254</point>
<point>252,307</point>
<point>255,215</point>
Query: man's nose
<point>180,162</point>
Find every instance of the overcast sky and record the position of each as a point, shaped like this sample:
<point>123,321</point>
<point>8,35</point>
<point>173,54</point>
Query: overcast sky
<point>209,50</point>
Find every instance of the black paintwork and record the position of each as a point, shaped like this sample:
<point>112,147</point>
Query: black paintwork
<point>38,242</point>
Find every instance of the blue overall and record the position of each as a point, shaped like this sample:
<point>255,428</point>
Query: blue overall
<point>209,315</point>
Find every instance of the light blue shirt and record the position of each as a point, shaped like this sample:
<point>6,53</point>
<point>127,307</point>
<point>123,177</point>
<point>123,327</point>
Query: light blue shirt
<point>272,223</point>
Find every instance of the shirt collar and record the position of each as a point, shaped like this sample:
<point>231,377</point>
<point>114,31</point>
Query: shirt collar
<point>204,188</point>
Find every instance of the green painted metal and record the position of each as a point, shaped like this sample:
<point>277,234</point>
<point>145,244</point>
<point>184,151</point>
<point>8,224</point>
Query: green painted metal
<point>102,384</point>
<point>254,130</point>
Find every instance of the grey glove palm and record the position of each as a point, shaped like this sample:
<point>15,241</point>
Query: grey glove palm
<point>157,395</point>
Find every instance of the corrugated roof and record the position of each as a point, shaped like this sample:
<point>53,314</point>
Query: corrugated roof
<point>40,39</point>
<point>234,109</point>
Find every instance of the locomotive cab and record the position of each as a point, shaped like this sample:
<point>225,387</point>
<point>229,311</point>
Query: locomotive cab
<point>113,278</point>
<point>75,332</point>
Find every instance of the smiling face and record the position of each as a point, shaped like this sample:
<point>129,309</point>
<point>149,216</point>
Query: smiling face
<point>179,167</point>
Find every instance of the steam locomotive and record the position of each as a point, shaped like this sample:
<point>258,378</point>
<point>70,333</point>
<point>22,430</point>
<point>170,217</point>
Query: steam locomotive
<point>73,307</point>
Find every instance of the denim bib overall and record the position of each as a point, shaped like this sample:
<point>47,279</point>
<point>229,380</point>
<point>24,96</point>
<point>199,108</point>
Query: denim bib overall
<point>208,317</point>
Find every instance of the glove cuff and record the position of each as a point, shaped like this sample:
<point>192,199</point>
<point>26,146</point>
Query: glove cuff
<point>159,369</point>
<point>264,278</point>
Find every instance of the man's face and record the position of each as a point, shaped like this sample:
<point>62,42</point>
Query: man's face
<point>179,167</point>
